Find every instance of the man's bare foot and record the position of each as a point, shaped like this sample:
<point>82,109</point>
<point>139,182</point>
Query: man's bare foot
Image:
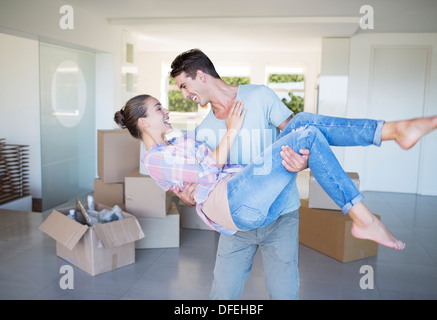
<point>409,132</point>
<point>376,231</point>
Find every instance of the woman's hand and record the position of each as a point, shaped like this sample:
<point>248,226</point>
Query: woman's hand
<point>234,121</point>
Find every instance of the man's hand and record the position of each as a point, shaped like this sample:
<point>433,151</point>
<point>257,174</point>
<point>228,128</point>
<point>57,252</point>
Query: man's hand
<point>187,194</point>
<point>293,161</point>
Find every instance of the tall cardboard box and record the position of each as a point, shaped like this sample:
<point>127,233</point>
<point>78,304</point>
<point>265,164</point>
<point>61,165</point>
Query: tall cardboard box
<point>144,198</point>
<point>160,232</point>
<point>328,231</point>
<point>117,154</point>
<point>319,199</point>
<point>97,249</point>
<point>109,194</point>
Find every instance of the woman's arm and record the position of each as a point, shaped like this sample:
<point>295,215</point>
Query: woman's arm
<point>234,122</point>
<point>168,165</point>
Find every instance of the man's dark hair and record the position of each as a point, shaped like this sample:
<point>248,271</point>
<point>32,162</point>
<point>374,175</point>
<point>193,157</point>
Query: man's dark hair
<point>190,61</point>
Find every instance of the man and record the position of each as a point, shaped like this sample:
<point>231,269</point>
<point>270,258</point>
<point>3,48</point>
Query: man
<point>198,80</point>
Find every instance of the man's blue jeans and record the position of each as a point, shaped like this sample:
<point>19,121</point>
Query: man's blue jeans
<point>279,245</point>
<point>255,192</point>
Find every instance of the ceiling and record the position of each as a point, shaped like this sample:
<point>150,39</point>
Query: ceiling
<point>257,25</point>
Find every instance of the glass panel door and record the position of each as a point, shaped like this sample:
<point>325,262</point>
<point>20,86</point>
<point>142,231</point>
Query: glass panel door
<point>68,135</point>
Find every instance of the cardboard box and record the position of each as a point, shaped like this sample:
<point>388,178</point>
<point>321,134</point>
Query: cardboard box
<point>117,154</point>
<point>109,194</point>
<point>160,232</point>
<point>189,217</point>
<point>319,199</point>
<point>144,198</point>
<point>328,232</point>
<point>97,249</point>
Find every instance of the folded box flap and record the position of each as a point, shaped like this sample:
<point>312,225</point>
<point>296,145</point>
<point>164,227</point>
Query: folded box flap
<point>118,233</point>
<point>63,229</point>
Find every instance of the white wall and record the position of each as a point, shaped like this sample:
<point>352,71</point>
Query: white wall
<point>392,77</point>
<point>22,25</point>
<point>334,81</point>
<point>19,101</point>
<point>150,68</point>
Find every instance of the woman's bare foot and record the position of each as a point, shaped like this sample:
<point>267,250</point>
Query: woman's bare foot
<point>376,231</point>
<point>367,226</point>
<point>408,132</point>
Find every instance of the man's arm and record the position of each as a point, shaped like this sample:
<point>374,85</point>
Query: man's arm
<point>283,124</point>
<point>293,161</point>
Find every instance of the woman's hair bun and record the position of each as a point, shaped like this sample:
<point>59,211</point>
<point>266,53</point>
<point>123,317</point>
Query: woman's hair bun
<point>119,119</point>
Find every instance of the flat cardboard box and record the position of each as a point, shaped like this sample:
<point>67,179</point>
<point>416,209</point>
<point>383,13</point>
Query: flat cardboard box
<point>189,217</point>
<point>319,199</point>
<point>144,198</point>
<point>97,249</point>
<point>117,154</point>
<point>109,194</point>
<point>328,232</point>
<point>160,232</point>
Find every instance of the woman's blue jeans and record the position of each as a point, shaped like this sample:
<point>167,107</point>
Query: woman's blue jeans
<point>255,192</point>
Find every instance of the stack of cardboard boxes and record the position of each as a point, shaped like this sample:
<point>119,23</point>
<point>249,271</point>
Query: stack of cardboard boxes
<point>154,209</point>
<point>149,218</point>
<point>323,227</point>
<point>187,214</point>
<point>117,156</point>
<point>121,182</point>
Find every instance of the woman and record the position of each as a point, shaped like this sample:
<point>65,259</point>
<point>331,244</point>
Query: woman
<point>230,197</point>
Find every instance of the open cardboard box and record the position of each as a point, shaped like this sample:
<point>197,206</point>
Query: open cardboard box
<point>101,248</point>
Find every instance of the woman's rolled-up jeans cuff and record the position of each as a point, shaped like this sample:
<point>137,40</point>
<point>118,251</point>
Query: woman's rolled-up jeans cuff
<point>351,203</point>
<point>378,131</point>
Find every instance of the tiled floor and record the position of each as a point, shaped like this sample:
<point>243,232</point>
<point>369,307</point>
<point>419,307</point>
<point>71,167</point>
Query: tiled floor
<point>29,268</point>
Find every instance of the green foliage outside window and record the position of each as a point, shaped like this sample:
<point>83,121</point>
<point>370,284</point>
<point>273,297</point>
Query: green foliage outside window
<point>234,81</point>
<point>176,101</point>
<point>294,103</point>
<point>285,78</point>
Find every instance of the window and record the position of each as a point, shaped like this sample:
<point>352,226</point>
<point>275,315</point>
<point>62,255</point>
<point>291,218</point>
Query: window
<point>289,85</point>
